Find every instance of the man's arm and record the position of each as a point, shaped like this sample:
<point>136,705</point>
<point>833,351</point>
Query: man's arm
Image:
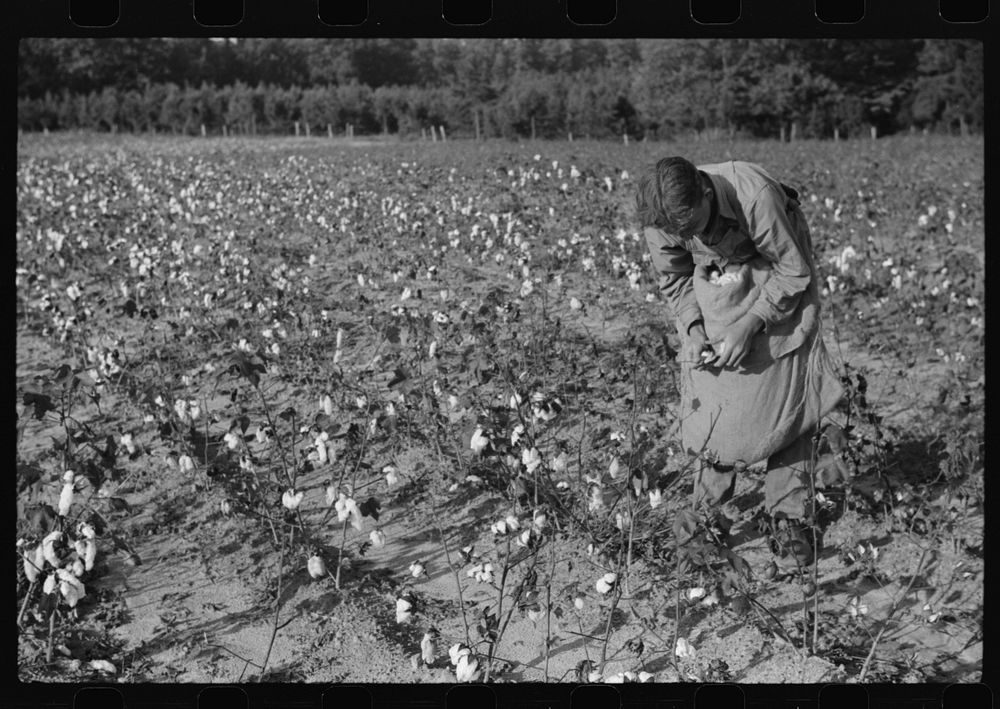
<point>775,239</point>
<point>676,267</point>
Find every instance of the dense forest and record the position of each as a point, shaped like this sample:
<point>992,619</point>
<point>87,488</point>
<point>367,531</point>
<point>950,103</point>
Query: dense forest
<point>810,88</point>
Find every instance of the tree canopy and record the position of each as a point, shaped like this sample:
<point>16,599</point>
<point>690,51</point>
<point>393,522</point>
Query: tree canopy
<point>542,87</point>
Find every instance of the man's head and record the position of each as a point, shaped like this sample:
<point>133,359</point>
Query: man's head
<point>674,196</point>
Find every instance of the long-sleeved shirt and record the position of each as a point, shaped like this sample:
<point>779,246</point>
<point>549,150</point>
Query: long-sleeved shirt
<point>753,215</point>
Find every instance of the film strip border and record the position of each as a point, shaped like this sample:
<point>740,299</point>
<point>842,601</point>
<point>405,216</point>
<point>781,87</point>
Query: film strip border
<point>524,696</point>
<point>502,17</point>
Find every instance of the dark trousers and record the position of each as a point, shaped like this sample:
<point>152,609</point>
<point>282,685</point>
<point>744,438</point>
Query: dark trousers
<point>786,487</point>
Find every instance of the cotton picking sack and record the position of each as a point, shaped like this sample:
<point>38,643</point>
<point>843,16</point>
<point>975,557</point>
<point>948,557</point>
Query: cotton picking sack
<point>781,389</point>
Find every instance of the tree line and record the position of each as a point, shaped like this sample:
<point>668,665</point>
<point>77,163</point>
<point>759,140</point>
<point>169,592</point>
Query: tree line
<point>502,87</point>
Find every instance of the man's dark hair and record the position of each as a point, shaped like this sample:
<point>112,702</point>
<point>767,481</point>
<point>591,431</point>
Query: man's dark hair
<point>668,193</point>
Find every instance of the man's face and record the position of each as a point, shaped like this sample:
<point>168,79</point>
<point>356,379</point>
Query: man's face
<point>700,216</point>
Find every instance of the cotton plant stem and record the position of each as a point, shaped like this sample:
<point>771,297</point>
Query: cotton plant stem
<point>611,613</point>
<point>340,554</point>
<point>277,438</point>
<point>892,612</point>
<point>52,635</point>
<point>458,585</point>
<point>548,607</point>
<point>24,605</point>
<point>503,581</point>
<point>277,607</point>
<point>677,601</point>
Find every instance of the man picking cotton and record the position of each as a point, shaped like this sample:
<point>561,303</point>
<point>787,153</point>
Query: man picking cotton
<point>734,255</point>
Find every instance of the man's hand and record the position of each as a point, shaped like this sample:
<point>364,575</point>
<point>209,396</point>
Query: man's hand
<point>734,344</point>
<point>694,343</point>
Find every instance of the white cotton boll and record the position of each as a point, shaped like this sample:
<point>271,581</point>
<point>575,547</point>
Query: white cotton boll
<point>343,510</point>
<point>531,459</point>
<point>606,582</point>
<point>614,468</point>
<point>655,498</point>
<point>539,520</point>
<point>71,588</point>
<point>321,451</point>
<point>185,463</point>
<point>50,584</point>
<point>417,569</point>
<point>432,350</point>
<point>479,441</point>
<point>326,404</point>
<point>428,649</point>
<point>467,669</point>
<point>316,566</point>
<point>559,462</point>
<point>457,652</point>
<point>646,676</point>
<point>31,568</point>
<point>354,515</point>
<point>596,501</point>
<point>102,666</point>
<point>595,677</point>
<point>404,611</point>
<point>89,554</point>
<point>232,440</point>
<point>693,594</point>
<point>291,499</point>
<point>499,528</point>
<point>618,678</point>
<point>77,568</point>
<point>48,548</point>
<point>684,648</point>
<point>524,538</point>
<point>377,538</point>
<point>66,499</point>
